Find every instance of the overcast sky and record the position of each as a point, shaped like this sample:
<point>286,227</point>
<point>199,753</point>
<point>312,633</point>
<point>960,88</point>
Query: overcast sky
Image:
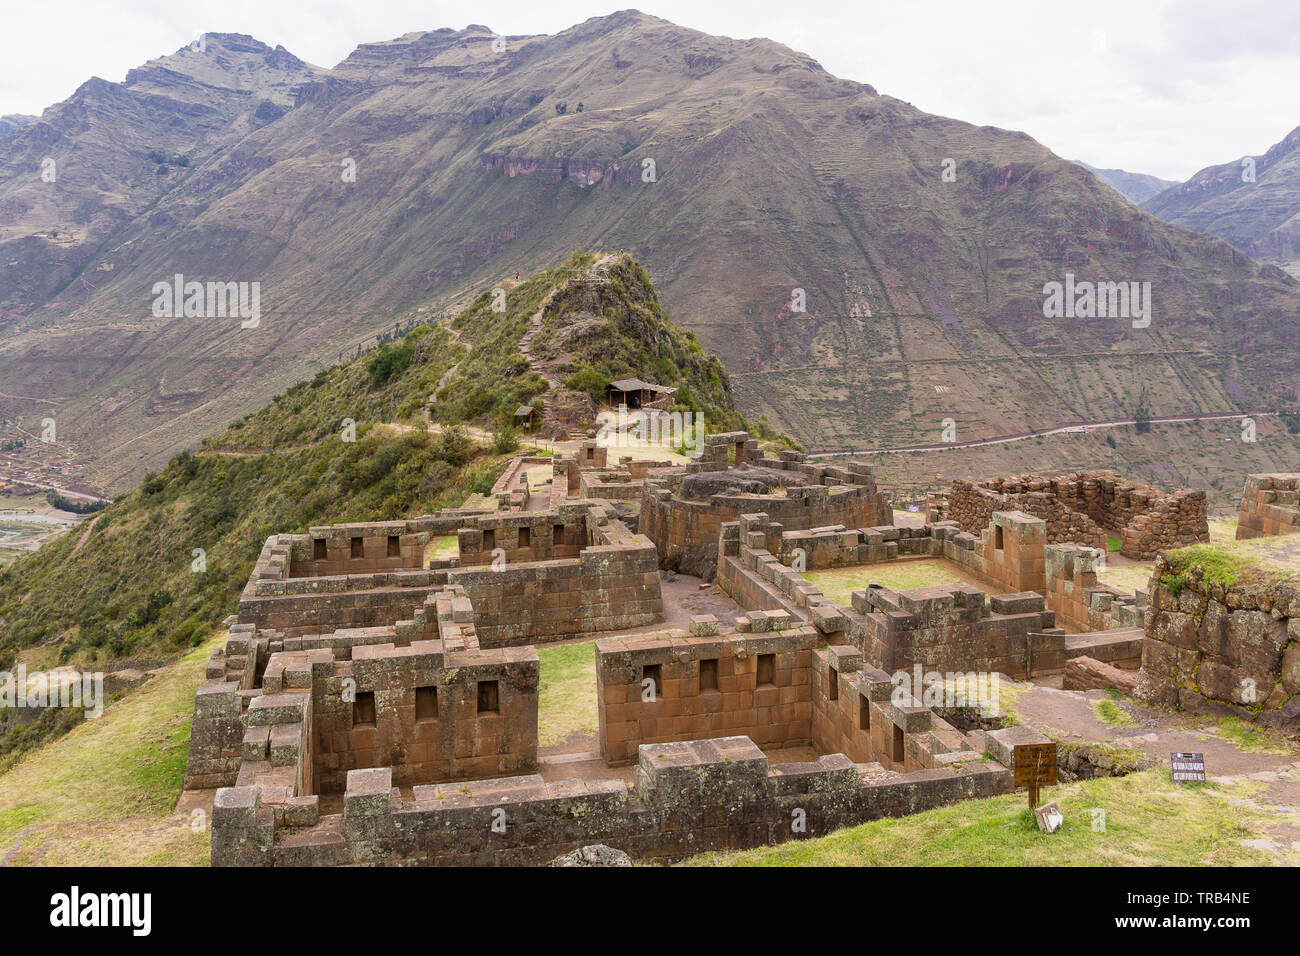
<point>1157,86</point>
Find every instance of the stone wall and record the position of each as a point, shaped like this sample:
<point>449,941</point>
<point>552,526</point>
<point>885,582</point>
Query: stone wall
<point>432,715</point>
<point>678,686</point>
<point>1270,504</point>
<point>460,729</point>
<point>1079,599</point>
<point>689,797</point>
<point>686,531</point>
<point>1232,649</point>
<point>521,537</point>
<point>1082,507</point>
<point>952,628</point>
<point>613,584</point>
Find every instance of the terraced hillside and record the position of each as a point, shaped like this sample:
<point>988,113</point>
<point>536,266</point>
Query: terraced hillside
<point>419,171</point>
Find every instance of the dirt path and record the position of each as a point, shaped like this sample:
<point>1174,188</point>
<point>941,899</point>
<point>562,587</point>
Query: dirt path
<point>85,534</point>
<point>547,368</point>
<point>1069,717</point>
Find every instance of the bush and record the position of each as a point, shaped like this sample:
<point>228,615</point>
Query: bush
<point>590,381</point>
<point>454,446</point>
<point>389,362</point>
<point>505,440</point>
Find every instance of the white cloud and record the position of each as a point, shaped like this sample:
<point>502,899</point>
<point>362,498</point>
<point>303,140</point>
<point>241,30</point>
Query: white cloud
<point>1178,85</point>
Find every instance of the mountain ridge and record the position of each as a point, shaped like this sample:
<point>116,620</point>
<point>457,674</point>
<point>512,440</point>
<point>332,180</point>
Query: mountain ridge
<point>922,297</point>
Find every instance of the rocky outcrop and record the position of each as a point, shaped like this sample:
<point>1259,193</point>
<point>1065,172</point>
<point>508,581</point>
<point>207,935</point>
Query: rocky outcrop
<point>1228,649</point>
<point>595,855</point>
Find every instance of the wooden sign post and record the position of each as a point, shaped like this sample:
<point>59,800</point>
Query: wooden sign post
<point>1035,767</point>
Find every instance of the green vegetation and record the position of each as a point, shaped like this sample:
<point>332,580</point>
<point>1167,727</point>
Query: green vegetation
<point>839,583</point>
<point>1258,562</point>
<point>123,770</point>
<point>1251,739</point>
<point>1149,821</point>
<point>1109,712</point>
<point>63,503</point>
<point>567,693</point>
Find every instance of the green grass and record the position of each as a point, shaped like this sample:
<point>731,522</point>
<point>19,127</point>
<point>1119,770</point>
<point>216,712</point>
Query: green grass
<point>1108,712</point>
<point>1250,739</point>
<point>1257,562</point>
<point>1149,821</point>
<point>567,694</point>
<point>448,546</point>
<point>108,787</point>
<point>1113,543</point>
<point>839,583</point>
<point>1127,577</point>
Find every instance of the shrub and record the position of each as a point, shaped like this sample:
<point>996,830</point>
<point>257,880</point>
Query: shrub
<point>505,440</point>
<point>389,362</point>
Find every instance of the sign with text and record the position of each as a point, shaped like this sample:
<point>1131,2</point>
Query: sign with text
<point>1035,765</point>
<point>1188,768</point>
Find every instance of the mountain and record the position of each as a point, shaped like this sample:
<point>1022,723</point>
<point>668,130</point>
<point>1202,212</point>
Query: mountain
<point>864,270</point>
<point>12,122</point>
<point>82,597</point>
<point>1253,202</point>
<point>1135,187</point>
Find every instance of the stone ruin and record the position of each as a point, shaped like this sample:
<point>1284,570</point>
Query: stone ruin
<point>1270,505</point>
<point>1083,508</point>
<point>683,509</point>
<point>376,701</point>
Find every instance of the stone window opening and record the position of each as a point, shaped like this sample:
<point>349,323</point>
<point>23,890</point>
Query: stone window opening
<point>653,673</point>
<point>997,537</point>
<point>489,540</point>
<point>833,690</point>
<point>363,709</point>
<point>318,552</point>
<point>709,674</point>
<point>489,700</point>
<point>899,753</point>
<point>525,537</point>
<point>864,713</point>
<point>358,548</point>
<point>557,534</point>
<point>426,703</point>
<point>394,546</point>
<point>766,675</point>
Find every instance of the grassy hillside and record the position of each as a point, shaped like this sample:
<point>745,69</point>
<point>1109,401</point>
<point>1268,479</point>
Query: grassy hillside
<point>1148,821</point>
<point>132,584</point>
<point>103,795</point>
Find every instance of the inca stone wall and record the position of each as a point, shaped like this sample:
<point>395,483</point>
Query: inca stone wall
<point>1082,507</point>
<point>1231,649</point>
<point>685,531</point>
<point>1270,504</point>
<point>689,797</point>
<point>613,584</point>
<point>1079,599</point>
<point>677,686</point>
